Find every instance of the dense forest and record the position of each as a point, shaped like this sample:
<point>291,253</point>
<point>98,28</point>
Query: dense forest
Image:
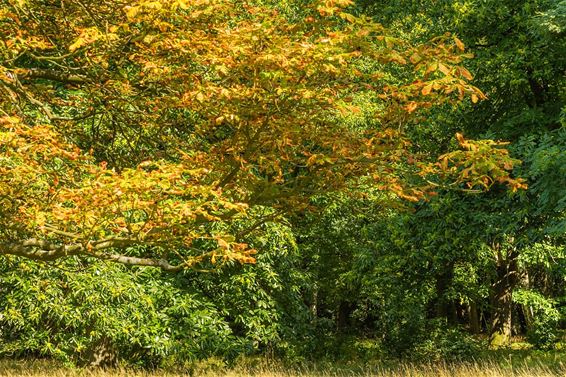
<point>298,180</point>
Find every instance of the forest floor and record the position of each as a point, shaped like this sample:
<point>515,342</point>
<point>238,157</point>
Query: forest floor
<point>495,364</point>
<point>527,368</point>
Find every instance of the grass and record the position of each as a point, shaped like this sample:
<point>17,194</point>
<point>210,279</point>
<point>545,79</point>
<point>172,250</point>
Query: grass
<point>526,368</point>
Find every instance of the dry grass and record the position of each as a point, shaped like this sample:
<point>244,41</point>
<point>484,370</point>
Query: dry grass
<point>47,369</point>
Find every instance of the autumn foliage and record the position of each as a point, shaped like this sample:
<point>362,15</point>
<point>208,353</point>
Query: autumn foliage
<point>138,131</point>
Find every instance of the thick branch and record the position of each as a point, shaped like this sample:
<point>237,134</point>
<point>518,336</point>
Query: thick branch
<point>47,251</point>
<point>52,75</point>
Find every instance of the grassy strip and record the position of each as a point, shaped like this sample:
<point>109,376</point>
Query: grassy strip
<point>37,368</point>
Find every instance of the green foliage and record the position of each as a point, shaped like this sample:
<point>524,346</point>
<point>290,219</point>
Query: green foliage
<point>151,318</point>
<point>444,343</point>
<point>545,165</point>
<point>543,332</point>
<point>519,63</point>
<point>63,311</point>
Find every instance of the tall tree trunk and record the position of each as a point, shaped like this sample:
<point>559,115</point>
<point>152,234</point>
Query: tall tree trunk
<point>475,327</point>
<point>502,297</point>
<point>444,308</point>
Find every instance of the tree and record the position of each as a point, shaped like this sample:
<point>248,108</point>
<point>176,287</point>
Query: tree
<point>519,63</point>
<point>156,124</point>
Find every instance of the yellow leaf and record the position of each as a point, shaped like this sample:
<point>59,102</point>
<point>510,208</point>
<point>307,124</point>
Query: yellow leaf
<point>354,109</point>
<point>348,17</point>
<point>223,244</point>
<point>426,89</point>
<point>153,5</point>
<point>444,163</point>
<point>344,3</point>
<point>131,12</point>
<point>87,36</point>
<point>77,44</point>
<point>312,160</point>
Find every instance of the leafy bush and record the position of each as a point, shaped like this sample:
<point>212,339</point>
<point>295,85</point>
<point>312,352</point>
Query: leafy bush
<point>444,343</point>
<point>64,312</point>
<point>543,335</point>
<point>151,318</point>
<point>543,331</point>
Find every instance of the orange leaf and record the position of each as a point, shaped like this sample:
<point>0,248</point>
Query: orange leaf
<point>412,106</point>
<point>459,44</point>
<point>444,69</point>
<point>465,73</point>
<point>431,68</point>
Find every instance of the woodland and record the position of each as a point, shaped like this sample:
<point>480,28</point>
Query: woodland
<point>296,180</point>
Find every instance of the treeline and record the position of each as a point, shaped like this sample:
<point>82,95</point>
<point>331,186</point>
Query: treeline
<point>350,272</point>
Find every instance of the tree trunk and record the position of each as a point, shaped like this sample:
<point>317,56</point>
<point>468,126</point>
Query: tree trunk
<point>475,327</point>
<point>101,354</point>
<point>501,298</point>
<point>444,308</point>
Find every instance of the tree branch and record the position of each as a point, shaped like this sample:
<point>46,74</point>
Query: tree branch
<point>47,74</point>
<point>48,251</point>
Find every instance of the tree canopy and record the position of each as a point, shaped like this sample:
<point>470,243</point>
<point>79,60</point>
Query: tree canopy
<point>152,125</point>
